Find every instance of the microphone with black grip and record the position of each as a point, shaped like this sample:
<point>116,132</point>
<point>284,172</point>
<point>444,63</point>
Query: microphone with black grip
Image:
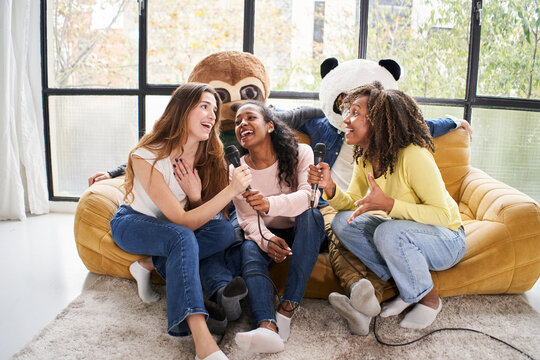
<point>318,156</point>
<point>233,155</point>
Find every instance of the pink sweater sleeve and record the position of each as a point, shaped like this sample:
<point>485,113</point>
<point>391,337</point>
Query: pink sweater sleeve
<point>297,202</point>
<point>284,204</point>
<point>248,221</point>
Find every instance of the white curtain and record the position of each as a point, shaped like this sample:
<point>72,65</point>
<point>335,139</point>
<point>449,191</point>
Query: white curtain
<point>23,178</point>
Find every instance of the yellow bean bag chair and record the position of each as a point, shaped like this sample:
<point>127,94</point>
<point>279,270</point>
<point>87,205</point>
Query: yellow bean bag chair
<point>502,228</point>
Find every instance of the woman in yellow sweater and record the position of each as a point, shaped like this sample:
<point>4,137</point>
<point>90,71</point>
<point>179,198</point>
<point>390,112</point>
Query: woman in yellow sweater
<point>395,172</point>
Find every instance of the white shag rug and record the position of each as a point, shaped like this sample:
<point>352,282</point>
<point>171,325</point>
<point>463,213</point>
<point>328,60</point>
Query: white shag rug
<point>108,321</point>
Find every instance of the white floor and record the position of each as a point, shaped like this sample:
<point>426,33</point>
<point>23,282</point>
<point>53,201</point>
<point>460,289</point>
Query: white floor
<point>43,274</point>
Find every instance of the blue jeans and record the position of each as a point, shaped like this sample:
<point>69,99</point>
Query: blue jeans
<point>402,249</point>
<point>216,241</point>
<point>175,252</point>
<point>304,239</point>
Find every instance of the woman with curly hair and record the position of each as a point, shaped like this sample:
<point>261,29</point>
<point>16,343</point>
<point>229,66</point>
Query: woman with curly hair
<point>176,188</point>
<point>280,196</point>
<point>394,172</point>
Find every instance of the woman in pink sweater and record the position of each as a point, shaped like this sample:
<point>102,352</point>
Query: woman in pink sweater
<point>277,221</point>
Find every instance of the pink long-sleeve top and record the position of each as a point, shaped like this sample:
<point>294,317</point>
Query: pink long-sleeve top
<point>285,203</point>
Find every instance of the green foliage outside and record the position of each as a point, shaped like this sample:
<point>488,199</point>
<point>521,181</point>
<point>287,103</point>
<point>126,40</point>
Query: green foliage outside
<point>81,54</point>
<point>509,51</point>
<point>94,44</point>
<point>506,145</point>
<point>429,39</point>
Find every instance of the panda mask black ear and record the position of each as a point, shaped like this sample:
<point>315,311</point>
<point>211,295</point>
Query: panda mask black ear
<point>392,66</point>
<point>328,65</point>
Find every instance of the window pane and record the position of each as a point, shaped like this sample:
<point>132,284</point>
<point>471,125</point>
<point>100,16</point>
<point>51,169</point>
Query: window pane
<point>92,44</point>
<point>508,49</point>
<point>181,33</point>
<point>292,38</point>
<point>89,134</point>
<point>428,38</point>
<point>155,106</point>
<point>506,145</point>
<point>437,111</point>
<point>287,104</point>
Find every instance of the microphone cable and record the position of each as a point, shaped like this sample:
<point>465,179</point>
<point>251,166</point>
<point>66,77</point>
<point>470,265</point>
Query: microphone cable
<point>425,335</point>
<point>233,155</point>
<point>440,330</point>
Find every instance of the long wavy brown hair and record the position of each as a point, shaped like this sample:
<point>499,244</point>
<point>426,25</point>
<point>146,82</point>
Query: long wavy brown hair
<point>171,130</point>
<point>395,120</point>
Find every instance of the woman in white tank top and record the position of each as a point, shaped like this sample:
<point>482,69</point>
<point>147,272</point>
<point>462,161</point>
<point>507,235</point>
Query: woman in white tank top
<point>176,192</point>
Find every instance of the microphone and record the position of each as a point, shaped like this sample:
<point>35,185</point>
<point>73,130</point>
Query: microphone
<point>318,156</point>
<point>233,155</point>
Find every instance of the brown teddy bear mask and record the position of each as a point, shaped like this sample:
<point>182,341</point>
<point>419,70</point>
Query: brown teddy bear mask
<point>236,76</point>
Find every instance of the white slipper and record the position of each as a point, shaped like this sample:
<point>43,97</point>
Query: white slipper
<point>283,325</point>
<point>420,317</point>
<point>260,340</point>
<point>218,355</point>
<point>394,307</point>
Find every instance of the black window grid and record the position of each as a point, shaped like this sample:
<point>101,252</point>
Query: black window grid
<point>144,89</point>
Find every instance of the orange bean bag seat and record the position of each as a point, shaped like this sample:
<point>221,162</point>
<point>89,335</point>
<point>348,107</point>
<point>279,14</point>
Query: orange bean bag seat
<point>502,227</point>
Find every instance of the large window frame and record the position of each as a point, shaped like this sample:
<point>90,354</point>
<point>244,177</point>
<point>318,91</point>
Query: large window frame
<point>470,101</point>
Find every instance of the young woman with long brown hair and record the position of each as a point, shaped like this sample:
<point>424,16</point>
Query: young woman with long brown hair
<point>177,187</point>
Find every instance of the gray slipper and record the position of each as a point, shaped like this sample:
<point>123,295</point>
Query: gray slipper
<point>229,298</point>
<point>217,320</point>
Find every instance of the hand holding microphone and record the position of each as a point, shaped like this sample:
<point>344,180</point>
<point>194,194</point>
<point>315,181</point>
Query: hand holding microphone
<point>253,197</point>
<point>257,200</point>
<point>241,176</point>
<point>278,248</point>
<point>318,155</point>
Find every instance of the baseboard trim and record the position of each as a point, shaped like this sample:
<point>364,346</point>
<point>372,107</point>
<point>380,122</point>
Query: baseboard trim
<point>63,206</point>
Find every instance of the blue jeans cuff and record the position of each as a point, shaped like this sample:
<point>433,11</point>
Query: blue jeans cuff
<point>273,321</point>
<point>178,326</point>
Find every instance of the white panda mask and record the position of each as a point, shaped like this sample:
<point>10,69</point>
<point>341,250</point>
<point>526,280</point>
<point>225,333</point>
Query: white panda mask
<point>340,78</point>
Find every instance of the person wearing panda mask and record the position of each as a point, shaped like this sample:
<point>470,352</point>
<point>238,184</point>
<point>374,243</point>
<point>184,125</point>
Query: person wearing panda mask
<point>337,80</point>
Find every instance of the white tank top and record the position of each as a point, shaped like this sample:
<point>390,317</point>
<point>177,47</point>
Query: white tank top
<point>142,202</point>
<point>342,169</point>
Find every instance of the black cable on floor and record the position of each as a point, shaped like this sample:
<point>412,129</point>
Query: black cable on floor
<point>440,330</point>
<point>423,336</point>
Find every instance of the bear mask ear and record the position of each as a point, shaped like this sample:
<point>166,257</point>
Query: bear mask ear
<point>328,65</point>
<point>392,66</point>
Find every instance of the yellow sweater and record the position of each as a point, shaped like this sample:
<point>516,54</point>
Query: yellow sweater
<point>416,186</point>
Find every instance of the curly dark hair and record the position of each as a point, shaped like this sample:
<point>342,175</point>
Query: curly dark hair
<point>284,142</point>
<point>396,122</point>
